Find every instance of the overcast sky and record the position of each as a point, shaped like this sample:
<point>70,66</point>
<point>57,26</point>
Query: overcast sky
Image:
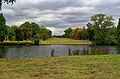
<point>58,15</point>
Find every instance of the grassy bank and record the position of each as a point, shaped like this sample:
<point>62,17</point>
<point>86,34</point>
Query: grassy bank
<point>17,43</point>
<point>60,41</point>
<point>64,41</point>
<point>76,67</point>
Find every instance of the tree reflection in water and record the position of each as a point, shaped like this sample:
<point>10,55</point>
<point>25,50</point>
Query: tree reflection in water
<point>118,49</point>
<point>3,51</point>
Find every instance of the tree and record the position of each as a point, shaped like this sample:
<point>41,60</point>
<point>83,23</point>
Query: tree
<point>3,28</point>
<point>43,33</point>
<point>67,33</point>
<point>2,20</point>
<point>75,34</point>
<point>27,30</point>
<point>90,31</point>
<point>6,1</point>
<point>49,33</point>
<point>35,29</point>
<point>100,28</point>
<point>19,34</point>
<point>11,33</point>
<point>111,37</point>
<point>3,33</point>
<point>118,31</point>
<point>83,34</point>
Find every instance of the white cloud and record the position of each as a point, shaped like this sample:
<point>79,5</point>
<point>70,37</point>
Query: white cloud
<point>90,2</point>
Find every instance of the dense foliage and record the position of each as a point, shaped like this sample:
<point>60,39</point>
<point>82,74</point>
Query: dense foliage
<point>68,33</point>
<point>3,28</point>
<point>26,31</point>
<point>29,31</point>
<point>118,31</point>
<point>101,30</point>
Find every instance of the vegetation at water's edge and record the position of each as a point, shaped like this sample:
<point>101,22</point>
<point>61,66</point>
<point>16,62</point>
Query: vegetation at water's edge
<point>101,30</point>
<point>76,67</point>
<point>26,31</point>
<point>88,51</point>
<point>17,43</point>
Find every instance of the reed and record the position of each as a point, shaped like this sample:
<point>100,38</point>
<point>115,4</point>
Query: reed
<point>89,51</point>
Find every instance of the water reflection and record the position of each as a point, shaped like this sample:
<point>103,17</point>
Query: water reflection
<point>118,49</point>
<point>3,51</point>
<point>45,50</point>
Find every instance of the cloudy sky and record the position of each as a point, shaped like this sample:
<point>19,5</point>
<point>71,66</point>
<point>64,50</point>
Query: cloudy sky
<point>58,15</point>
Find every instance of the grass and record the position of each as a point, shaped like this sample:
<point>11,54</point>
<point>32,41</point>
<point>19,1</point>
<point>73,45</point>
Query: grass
<point>61,41</point>
<point>73,67</point>
<point>64,41</point>
<point>25,42</point>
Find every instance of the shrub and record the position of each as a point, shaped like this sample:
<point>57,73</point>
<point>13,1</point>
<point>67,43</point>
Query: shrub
<point>36,42</point>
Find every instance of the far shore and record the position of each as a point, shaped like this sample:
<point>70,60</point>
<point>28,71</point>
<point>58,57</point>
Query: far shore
<point>50,41</point>
<point>65,41</point>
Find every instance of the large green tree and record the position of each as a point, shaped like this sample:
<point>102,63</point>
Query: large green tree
<point>101,29</point>
<point>44,33</point>
<point>3,33</point>
<point>2,20</point>
<point>27,30</point>
<point>3,28</point>
<point>19,34</point>
<point>90,31</point>
<point>83,34</point>
<point>35,29</point>
<point>67,33</point>
<point>11,33</point>
<point>118,31</point>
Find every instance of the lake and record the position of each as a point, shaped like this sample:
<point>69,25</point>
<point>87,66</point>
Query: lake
<point>45,50</point>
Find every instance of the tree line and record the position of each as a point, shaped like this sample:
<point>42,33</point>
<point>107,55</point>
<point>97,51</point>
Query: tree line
<point>100,30</point>
<point>26,31</point>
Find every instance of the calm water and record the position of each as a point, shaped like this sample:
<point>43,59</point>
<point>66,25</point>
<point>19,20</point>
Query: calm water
<point>45,50</point>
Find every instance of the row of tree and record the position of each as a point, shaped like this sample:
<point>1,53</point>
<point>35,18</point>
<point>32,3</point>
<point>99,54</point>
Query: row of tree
<point>101,30</point>
<point>26,31</point>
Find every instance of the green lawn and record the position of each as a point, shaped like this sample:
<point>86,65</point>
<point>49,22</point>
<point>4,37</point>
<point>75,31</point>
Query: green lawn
<point>75,67</point>
<point>64,41</point>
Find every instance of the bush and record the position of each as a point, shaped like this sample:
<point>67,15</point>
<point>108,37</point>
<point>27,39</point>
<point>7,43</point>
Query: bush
<point>87,51</point>
<point>36,42</point>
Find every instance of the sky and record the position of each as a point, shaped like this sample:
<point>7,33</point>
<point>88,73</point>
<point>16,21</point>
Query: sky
<point>58,15</point>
